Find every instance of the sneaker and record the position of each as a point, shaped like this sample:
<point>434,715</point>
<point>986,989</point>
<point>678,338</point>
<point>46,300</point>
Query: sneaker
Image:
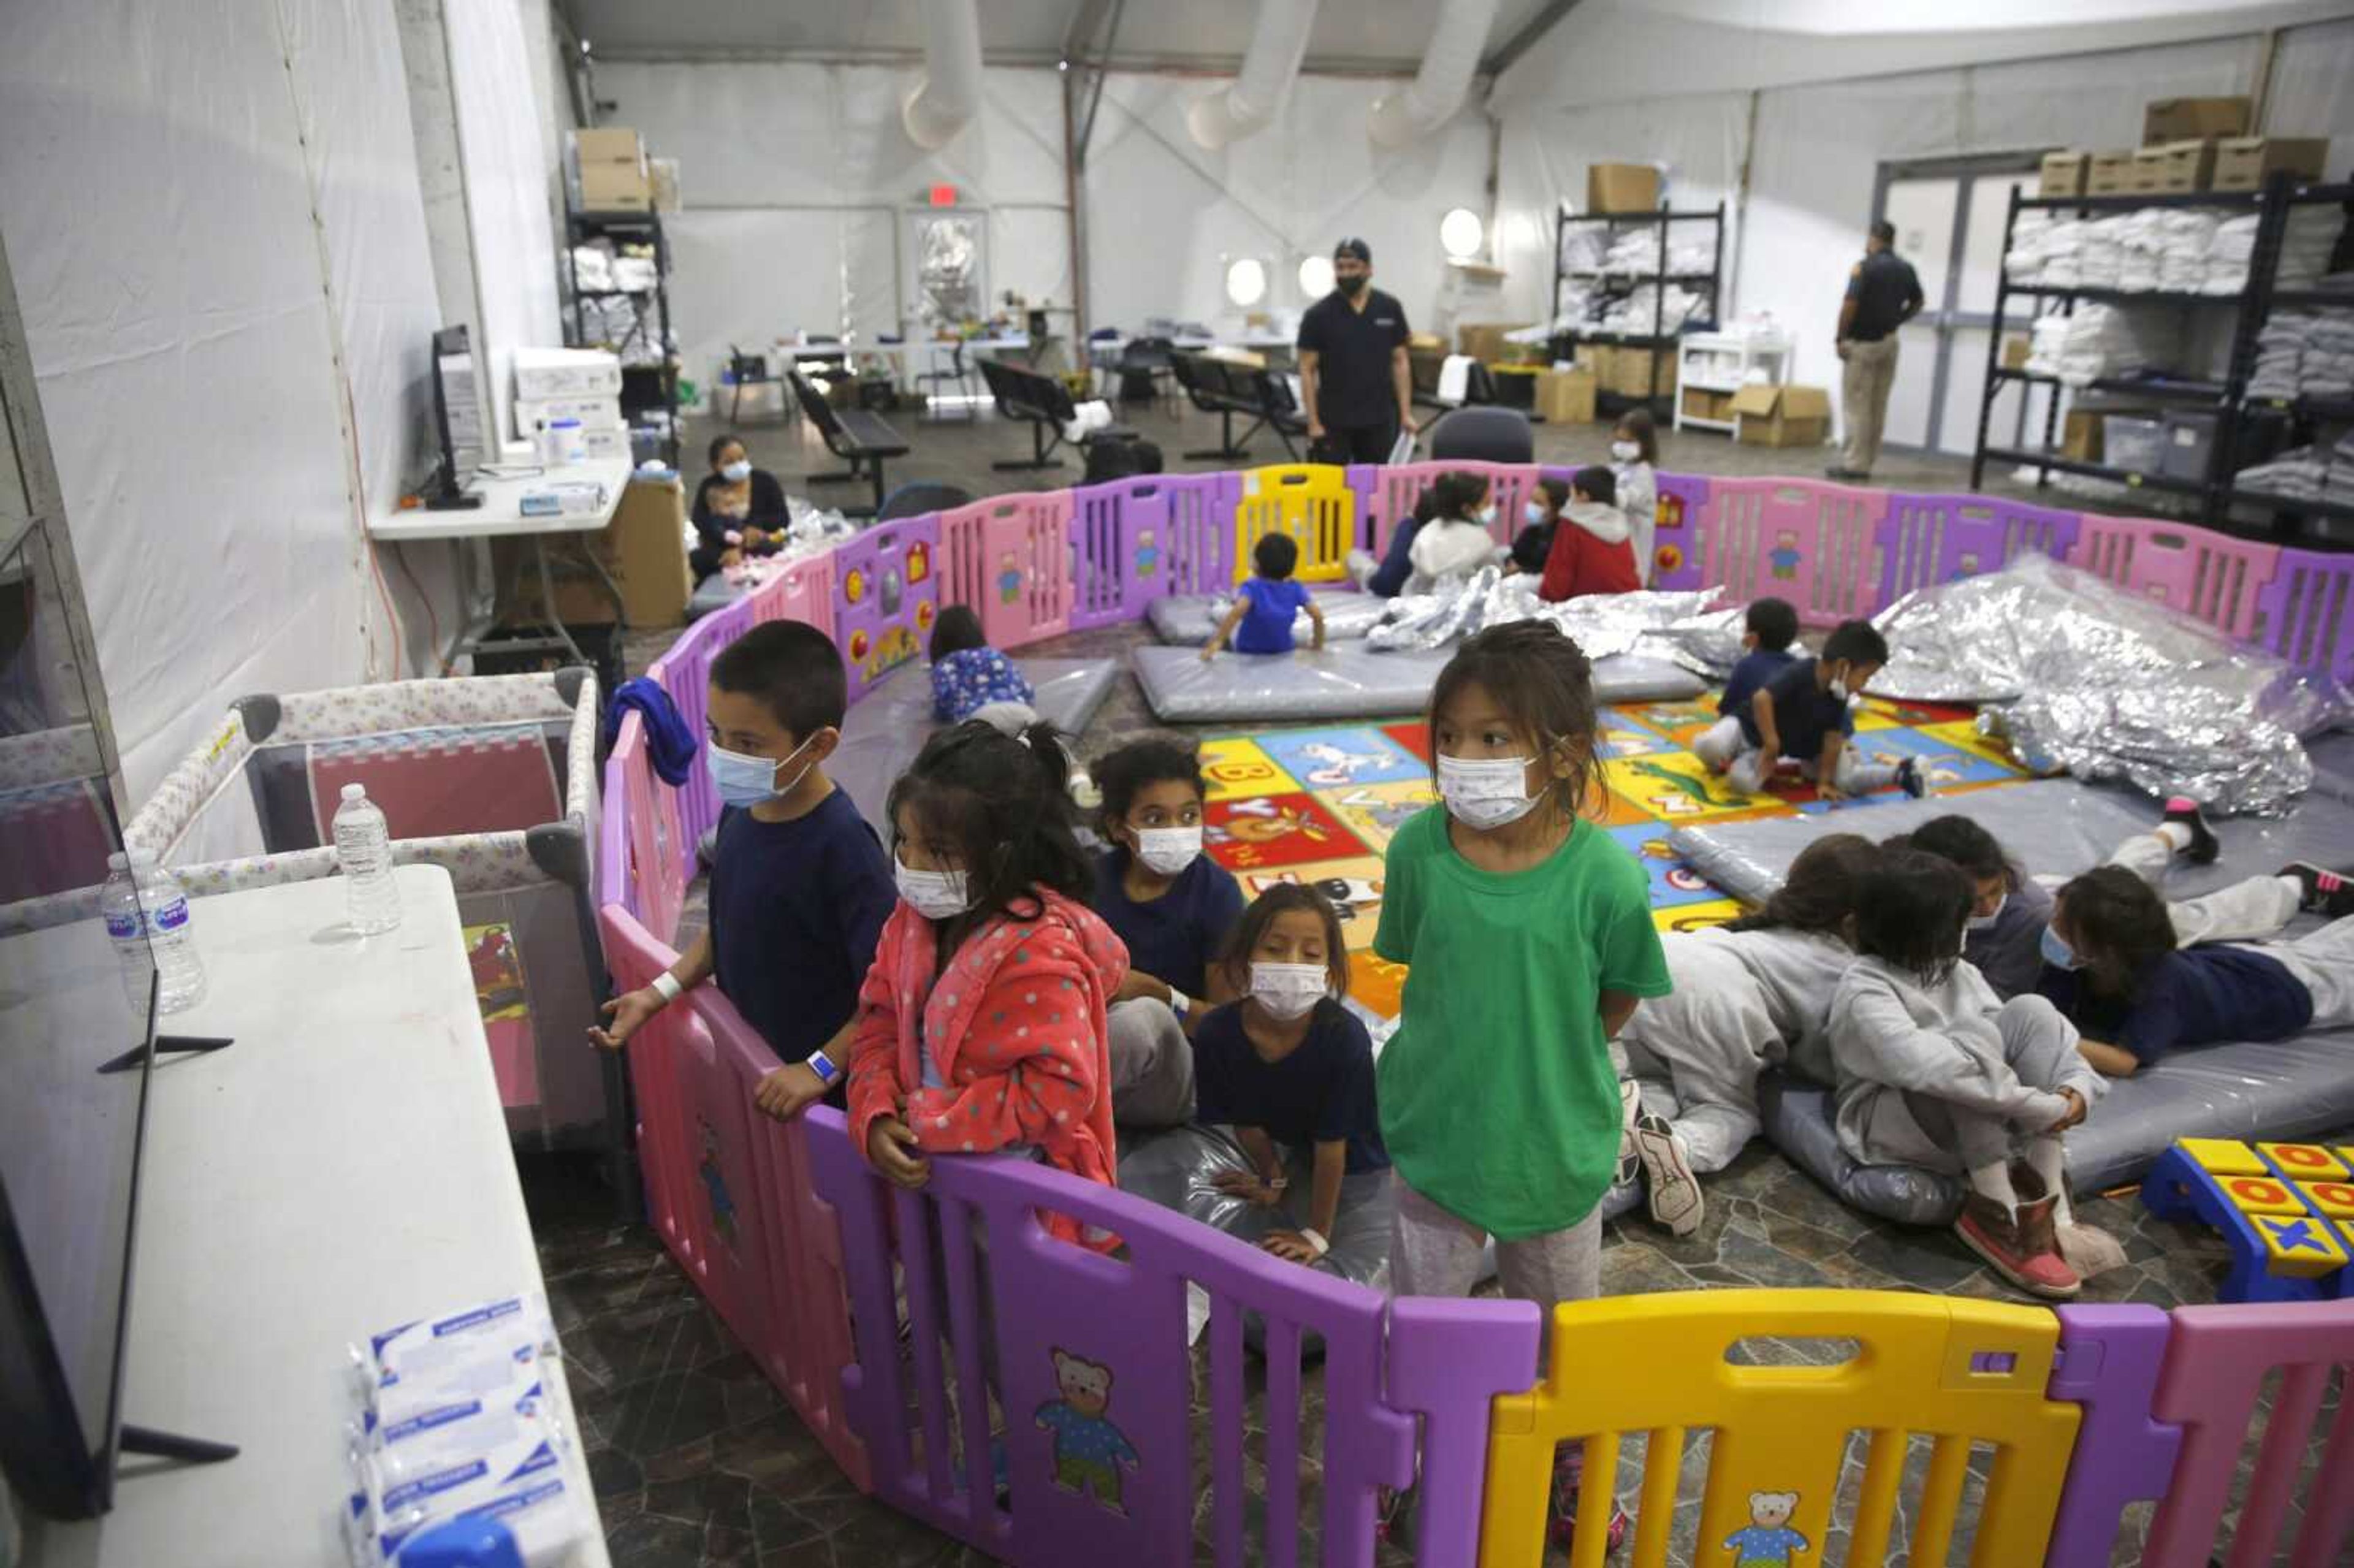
<point>1911,778</point>
<point>2204,848</point>
<point>2024,1250</point>
<point>1667,1178</point>
<point>2327,891</point>
<point>1393,1518</point>
<point>1630,1112</point>
<point>1563,1525</point>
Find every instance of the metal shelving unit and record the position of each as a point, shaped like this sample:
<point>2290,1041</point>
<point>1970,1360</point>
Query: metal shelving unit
<point>2214,491</point>
<point>1662,344</point>
<point>644,387</point>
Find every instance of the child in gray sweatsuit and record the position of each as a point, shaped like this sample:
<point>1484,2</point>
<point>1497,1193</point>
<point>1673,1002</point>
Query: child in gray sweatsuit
<point>1935,1070</point>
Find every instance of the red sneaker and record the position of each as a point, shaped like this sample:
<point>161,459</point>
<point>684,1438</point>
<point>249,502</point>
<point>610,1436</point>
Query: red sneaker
<point>2023,1251</point>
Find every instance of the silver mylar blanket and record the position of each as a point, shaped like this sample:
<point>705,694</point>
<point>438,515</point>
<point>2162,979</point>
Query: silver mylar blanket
<point>2109,684</point>
<point>1677,627</point>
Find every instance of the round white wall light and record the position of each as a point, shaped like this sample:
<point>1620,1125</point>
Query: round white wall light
<point>1245,281</point>
<point>1461,232</point>
<point>1316,277</point>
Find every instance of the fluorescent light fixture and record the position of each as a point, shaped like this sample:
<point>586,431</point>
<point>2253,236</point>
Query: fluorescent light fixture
<point>1316,277</point>
<point>1245,281</point>
<point>1461,232</point>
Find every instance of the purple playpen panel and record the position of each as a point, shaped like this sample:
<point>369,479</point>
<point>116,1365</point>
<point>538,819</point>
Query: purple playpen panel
<point>2204,575</point>
<point>1675,542</point>
<point>1805,540</point>
<point>1125,541</point>
<point>2216,1365</point>
<point>633,957</point>
<point>1098,1434</point>
<point>1931,539</point>
<point>886,598</point>
<point>2108,1362</point>
<point>2305,614</point>
<point>1386,494</point>
<point>1447,1360</point>
<point>775,1268</point>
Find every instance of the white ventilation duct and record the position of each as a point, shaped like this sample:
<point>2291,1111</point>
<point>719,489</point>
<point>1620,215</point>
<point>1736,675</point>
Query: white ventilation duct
<point>948,96</point>
<point>1437,91</point>
<point>1253,99</point>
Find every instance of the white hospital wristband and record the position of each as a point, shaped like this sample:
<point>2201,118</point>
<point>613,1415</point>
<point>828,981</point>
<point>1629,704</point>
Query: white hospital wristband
<point>1316,1239</point>
<point>821,1063</point>
<point>666,986</point>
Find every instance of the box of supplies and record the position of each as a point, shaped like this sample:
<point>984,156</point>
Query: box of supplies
<point>2188,438</point>
<point>1566,396</point>
<point>1621,187</point>
<point>2017,347</point>
<point>599,412</point>
<point>1701,403</point>
<point>2135,442</point>
<point>2080,436</point>
<point>1631,373</point>
<point>2109,173</point>
<point>607,145</point>
<point>2243,163</point>
<point>1782,415</point>
<point>2183,118</point>
<point>2174,168</point>
<point>2064,173</point>
<point>642,549</point>
<point>1485,342</point>
<point>566,372</point>
<point>615,187</point>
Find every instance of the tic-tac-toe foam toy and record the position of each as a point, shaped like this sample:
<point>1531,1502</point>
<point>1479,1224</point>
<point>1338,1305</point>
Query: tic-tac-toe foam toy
<point>2286,1210</point>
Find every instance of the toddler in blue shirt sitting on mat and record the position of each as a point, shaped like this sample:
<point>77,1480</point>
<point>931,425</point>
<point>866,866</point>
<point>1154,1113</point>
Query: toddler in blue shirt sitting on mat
<point>1260,619</point>
<point>972,680</point>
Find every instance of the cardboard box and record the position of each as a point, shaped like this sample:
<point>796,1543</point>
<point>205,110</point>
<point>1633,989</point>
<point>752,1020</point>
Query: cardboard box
<point>2184,119</point>
<point>1700,403</point>
<point>2080,436</point>
<point>541,373</point>
<point>1485,342</point>
<point>2016,348</point>
<point>607,145</point>
<point>644,549</point>
<point>1621,187</point>
<point>1566,396</point>
<point>662,178</point>
<point>2064,173</point>
<point>1782,415</point>
<point>615,187</point>
<point>2174,168</point>
<point>2243,163</point>
<point>1631,372</point>
<point>2109,173</point>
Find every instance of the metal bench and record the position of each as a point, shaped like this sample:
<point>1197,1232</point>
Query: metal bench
<point>858,438</point>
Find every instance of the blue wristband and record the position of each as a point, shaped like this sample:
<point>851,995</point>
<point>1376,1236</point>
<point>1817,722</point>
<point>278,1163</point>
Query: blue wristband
<point>822,1065</point>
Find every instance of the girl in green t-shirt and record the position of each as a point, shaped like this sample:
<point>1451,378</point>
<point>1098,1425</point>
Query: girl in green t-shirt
<point>1528,931</point>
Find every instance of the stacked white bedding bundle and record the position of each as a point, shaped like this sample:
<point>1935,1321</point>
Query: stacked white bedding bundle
<point>2307,353</point>
<point>2301,473</point>
<point>2306,245</point>
<point>2185,236</point>
<point>2100,253</point>
<point>2140,235</point>
<point>1636,253</point>
<point>2228,254</point>
<point>1582,247</point>
<point>2031,246</point>
<point>1640,314</point>
<point>2098,341</point>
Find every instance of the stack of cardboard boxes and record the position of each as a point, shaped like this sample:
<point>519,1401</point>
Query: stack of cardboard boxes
<point>643,550</point>
<point>581,384</point>
<point>610,173</point>
<point>2188,145</point>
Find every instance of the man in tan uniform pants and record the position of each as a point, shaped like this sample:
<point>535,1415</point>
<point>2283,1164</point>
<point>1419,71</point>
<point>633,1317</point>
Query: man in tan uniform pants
<point>1882,294</point>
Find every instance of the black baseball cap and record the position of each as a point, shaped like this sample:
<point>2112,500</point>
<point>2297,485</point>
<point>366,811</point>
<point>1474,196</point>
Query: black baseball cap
<point>1356,248</point>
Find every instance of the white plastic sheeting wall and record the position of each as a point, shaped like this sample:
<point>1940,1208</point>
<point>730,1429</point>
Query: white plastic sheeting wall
<point>228,328</point>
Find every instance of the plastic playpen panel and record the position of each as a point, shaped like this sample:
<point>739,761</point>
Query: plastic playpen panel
<point>673,1188</point>
<point>1008,558</point>
<point>57,834</point>
<point>886,597</point>
<point>1676,540</point>
<point>2305,614</point>
<point>433,783</point>
<point>2205,575</point>
<point>1809,542</point>
<point>1959,1371</point>
<point>1131,539</point>
<point>1385,495</point>
<point>1312,502</point>
<point>685,673</point>
<point>803,591</point>
<point>1932,539</point>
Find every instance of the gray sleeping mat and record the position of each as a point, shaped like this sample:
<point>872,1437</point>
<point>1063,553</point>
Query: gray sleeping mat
<point>2333,764</point>
<point>883,731</point>
<point>712,593</point>
<point>1348,681</point>
<point>2053,827</point>
<point>1190,618</point>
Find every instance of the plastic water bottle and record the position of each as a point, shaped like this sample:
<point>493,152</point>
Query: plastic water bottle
<point>147,918</point>
<point>364,850</point>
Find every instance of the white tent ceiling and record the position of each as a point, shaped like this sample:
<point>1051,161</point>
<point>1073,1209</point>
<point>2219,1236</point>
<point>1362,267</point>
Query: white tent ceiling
<point>1348,33</point>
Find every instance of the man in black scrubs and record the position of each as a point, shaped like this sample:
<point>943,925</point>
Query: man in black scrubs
<point>1353,364</point>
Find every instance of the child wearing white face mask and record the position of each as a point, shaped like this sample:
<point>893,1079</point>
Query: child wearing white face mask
<point>1291,1071</point>
<point>1455,544</point>
<point>1174,908</point>
<point>1802,714</point>
<point>981,1027</point>
<point>1634,463</point>
<point>1529,934</point>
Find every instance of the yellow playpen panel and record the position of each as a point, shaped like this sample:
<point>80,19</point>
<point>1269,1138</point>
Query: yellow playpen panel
<point>1310,501</point>
<point>1959,1371</point>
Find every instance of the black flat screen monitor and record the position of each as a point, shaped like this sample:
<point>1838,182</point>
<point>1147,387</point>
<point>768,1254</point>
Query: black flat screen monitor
<point>69,1135</point>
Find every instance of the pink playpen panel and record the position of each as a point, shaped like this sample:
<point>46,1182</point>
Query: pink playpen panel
<point>887,596</point>
<point>1009,558</point>
<point>1932,539</point>
<point>653,1053</point>
<point>2305,614</point>
<point>59,838</point>
<point>2215,1366</point>
<point>685,673</point>
<point>1099,1434</point>
<point>1804,540</point>
<point>802,591</point>
<point>638,865</point>
<point>440,783</point>
<point>1676,540</point>
<point>1131,539</point>
<point>2206,575</point>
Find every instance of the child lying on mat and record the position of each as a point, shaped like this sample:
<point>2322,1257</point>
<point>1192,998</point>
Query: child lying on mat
<point>1801,715</point>
<point>2114,965</point>
<point>972,680</point>
<point>2011,908</point>
<point>1260,619</point>
<point>1934,1070</point>
<point>1747,996</point>
<point>1292,1070</point>
<point>981,1027</point>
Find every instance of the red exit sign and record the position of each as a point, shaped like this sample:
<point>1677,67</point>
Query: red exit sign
<point>943,195</point>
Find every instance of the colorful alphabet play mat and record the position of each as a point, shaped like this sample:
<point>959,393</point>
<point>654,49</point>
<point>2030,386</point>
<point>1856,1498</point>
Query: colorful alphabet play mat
<point>1319,805</point>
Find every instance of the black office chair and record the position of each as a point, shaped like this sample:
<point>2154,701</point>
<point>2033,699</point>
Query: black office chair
<point>959,373</point>
<point>1151,362</point>
<point>745,370</point>
<point>1486,434</point>
<point>919,496</point>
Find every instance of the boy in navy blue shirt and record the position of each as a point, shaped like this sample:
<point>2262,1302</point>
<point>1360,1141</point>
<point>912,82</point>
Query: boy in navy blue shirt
<point>800,885</point>
<point>1769,628</point>
<point>1802,714</point>
<point>1261,621</point>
